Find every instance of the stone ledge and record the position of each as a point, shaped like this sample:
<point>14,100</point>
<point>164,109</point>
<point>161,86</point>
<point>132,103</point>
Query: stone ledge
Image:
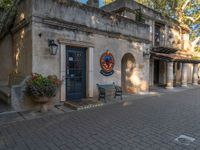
<point>60,24</point>
<point>83,105</point>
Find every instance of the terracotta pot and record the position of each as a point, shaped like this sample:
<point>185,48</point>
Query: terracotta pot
<point>42,101</point>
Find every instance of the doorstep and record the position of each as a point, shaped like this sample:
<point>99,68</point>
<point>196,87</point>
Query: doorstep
<point>84,104</point>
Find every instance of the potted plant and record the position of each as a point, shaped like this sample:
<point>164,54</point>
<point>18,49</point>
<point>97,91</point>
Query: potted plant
<point>42,88</point>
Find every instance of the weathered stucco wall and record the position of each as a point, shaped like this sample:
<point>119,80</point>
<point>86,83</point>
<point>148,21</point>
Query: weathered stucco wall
<point>22,49</point>
<point>131,4</point>
<point>24,11</point>
<point>172,36</point>
<point>16,48</point>
<point>118,35</point>
<point>16,56</point>
<point>6,59</point>
<point>44,63</point>
<point>38,21</point>
<point>89,17</point>
<point>119,48</point>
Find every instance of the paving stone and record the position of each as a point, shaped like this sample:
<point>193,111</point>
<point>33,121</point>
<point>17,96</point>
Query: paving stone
<point>146,123</point>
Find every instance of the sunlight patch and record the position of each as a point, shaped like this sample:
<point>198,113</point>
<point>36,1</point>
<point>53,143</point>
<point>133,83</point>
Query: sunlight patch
<point>127,104</point>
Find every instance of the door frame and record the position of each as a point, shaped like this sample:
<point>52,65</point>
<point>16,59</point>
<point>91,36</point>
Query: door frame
<point>83,67</point>
<point>89,66</point>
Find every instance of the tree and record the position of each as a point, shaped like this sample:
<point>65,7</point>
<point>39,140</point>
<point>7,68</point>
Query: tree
<point>186,12</point>
<point>7,15</point>
<point>4,4</point>
<point>106,2</point>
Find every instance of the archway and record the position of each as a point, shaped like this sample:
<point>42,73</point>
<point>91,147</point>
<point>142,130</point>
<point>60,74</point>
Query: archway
<point>127,70</point>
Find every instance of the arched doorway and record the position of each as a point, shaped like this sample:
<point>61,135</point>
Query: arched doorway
<point>127,68</point>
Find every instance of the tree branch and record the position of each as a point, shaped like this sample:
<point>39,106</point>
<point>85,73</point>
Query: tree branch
<point>185,5</point>
<point>196,41</point>
<point>192,18</point>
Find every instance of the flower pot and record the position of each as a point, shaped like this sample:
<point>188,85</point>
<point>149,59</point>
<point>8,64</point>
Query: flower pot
<point>42,101</point>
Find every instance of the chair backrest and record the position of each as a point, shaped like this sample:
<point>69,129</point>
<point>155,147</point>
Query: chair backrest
<point>118,88</point>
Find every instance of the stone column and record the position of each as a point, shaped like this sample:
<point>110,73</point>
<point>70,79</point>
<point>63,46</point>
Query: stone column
<point>184,74</point>
<point>195,74</point>
<point>90,71</point>
<point>63,72</point>
<point>170,76</point>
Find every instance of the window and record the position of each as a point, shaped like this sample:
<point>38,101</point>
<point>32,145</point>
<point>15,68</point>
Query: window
<point>159,34</point>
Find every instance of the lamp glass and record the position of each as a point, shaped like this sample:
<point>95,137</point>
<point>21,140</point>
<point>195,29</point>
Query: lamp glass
<point>53,48</point>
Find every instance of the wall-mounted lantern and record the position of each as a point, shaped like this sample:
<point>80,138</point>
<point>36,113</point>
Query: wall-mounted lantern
<point>53,47</point>
<point>146,54</point>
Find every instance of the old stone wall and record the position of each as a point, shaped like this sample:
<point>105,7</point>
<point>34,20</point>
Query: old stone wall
<point>90,27</point>
<point>172,35</point>
<point>86,17</point>
<point>119,48</point>
<point>22,50</point>
<point>131,4</point>
<point>190,73</point>
<point>45,63</point>
<point>174,38</point>
<point>24,11</point>
<point>6,59</point>
<point>19,53</point>
<point>16,48</point>
<point>22,39</point>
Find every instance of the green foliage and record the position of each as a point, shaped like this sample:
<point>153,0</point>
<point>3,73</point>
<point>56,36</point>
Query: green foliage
<point>139,16</point>
<point>108,1</point>
<point>197,49</point>
<point>186,12</point>
<point>41,86</point>
<point>4,4</point>
<point>195,58</point>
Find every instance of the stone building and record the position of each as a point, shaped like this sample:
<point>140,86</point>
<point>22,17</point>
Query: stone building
<point>124,29</point>
<point>171,62</point>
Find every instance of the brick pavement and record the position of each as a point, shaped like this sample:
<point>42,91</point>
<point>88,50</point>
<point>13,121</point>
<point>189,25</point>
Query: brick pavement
<point>144,124</point>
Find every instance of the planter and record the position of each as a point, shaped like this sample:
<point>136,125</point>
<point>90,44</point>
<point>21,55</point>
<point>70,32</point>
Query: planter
<point>42,88</point>
<point>42,101</point>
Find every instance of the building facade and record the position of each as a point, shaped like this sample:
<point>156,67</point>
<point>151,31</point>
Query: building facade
<point>171,63</point>
<point>89,39</point>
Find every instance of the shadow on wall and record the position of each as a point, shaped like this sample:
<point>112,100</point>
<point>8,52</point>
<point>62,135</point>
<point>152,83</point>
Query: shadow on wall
<point>131,76</point>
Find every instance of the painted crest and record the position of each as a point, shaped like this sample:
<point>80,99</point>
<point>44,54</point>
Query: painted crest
<point>107,63</point>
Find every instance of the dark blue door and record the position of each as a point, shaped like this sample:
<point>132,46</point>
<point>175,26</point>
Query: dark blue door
<point>75,73</point>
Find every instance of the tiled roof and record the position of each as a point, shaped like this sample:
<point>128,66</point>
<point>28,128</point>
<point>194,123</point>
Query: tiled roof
<point>173,55</point>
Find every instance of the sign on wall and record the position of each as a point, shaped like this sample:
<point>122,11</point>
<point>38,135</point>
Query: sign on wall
<point>107,63</point>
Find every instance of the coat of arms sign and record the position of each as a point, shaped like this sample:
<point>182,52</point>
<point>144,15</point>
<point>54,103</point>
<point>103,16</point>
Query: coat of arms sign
<point>107,63</point>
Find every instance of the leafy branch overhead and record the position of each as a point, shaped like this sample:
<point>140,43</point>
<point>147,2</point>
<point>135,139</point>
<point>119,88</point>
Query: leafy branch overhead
<point>4,4</point>
<point>186,12</point>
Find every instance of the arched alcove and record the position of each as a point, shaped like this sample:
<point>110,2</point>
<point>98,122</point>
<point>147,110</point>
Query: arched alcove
<point>127,69</point>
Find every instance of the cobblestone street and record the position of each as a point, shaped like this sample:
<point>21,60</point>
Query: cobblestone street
<point>145,124</point>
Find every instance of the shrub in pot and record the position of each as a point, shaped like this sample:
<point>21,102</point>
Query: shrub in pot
<point>42,88</point>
